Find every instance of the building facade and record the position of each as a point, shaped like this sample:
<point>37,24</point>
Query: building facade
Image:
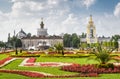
<point>41,41</point>
<point>91,32</point>
<point>91,36</point>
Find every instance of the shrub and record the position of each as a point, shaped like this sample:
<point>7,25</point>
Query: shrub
<point>109,65</point>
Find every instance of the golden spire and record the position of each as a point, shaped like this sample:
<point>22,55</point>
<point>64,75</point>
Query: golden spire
<point>90,17</point>
<point>90,21</point>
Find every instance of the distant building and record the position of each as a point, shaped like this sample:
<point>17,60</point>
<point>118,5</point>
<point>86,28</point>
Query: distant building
<point>41,41</point>
<point>91,34</point>
<point>104,39</point>
<point>21,34</point>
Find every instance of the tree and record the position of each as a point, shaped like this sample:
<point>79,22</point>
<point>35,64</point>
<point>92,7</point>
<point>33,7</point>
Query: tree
<point>71,40</point>
<point>116,45</point>
<point>83,35</point>
<point>59,48</point>
<point>115,37</point>
<point>2,44</point>
<point>15,43</point>
<point>29,35</point>
<point>18,43</point>
<point>103,55</point>
<point>67,40</point>
<point>75,40</point>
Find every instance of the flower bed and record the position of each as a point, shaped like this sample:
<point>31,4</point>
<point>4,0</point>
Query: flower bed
<point>25,73</point>
<point>52,52</point>
<point>49,64</point>
<point>68,53</point>
<point>44,75</point>
<point>6,61</point>
<point>35,52</point>
<point>26,55</point>
<point>37,74</point>
<point>31,62</point>
<point>90,70</point>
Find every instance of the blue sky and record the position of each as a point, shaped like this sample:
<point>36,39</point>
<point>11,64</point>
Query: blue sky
<point>60,16</point>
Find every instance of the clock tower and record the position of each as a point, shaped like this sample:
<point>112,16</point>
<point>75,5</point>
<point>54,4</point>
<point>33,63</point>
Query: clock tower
<point>91,32</point>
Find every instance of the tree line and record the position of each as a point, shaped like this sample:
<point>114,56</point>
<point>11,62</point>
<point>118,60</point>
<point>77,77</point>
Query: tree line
<point>71,40</point>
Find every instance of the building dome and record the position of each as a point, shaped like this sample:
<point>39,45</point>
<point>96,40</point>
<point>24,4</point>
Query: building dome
<point>21,34</point>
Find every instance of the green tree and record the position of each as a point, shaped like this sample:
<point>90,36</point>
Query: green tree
<point>2,44</point>
<point>29,35</point>
<point>67,40</point>
<point>75,40</point>
<point>71,40</point>
<point>59,48</point>
<point>116,45</point>
<point>83,35</point>
<point>18,44</point>
<point>115,37</point>
<point>102,54</point>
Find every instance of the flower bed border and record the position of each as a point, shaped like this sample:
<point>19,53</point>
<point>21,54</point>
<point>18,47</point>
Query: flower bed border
<point>6,61</point>
<point>34,74</point>
<point>30,62</point>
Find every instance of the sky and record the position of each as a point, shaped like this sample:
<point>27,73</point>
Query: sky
<point>59,16</point>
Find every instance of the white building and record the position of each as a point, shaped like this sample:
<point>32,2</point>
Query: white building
<point>21,34</point>
<point>41,41</point>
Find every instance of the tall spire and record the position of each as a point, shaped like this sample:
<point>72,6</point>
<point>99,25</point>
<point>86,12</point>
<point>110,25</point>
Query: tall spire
<point>91,21</point>
<point>90,17</point>
<point>42,24</point>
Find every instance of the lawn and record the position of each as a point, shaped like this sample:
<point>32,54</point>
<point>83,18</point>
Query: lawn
<point>2,56</point>
<point>52,70</point>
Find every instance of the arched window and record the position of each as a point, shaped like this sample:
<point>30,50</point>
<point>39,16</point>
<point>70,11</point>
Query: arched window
<point>91,33</point>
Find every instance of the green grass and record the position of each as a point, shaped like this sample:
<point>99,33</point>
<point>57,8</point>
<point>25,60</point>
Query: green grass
<point>2,56</point>
<point>51,70</point>
<point>66,59</point>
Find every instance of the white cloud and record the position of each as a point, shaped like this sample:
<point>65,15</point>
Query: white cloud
<point>58,17</point>
<point>88,3</point>
<point>26,8</point>
<point>117,10</point>
<point>18,0</point>
<point>53,2</point>
<point>71,19</point>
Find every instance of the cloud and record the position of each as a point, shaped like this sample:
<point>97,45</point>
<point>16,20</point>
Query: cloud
<point>88,3</point>
<point>26,8</point>
<point>117,10</point>
<point>60,16</point>
<point>71,19</point>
